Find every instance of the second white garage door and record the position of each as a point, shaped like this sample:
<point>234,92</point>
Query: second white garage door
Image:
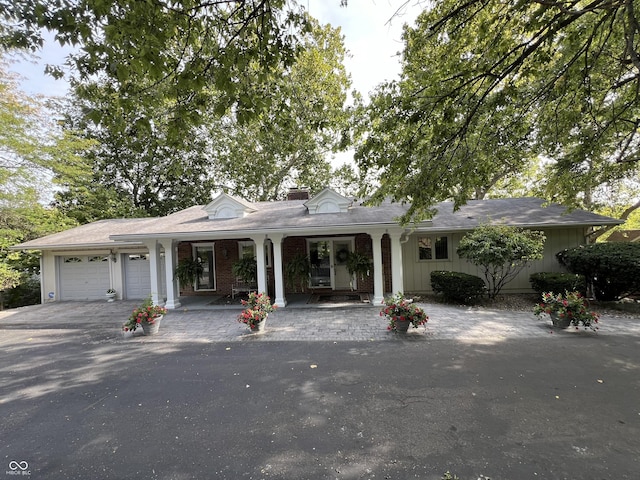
<point>136,275</point>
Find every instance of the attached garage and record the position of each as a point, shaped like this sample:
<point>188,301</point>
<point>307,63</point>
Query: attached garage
<point>83,277</point>
<point>136,275</point>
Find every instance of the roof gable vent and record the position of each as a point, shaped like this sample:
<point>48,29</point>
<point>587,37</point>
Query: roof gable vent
<point>328,201</point>
<point>226,206</point>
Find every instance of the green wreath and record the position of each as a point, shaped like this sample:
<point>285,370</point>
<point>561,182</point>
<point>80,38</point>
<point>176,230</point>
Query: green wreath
<point>342,255</point>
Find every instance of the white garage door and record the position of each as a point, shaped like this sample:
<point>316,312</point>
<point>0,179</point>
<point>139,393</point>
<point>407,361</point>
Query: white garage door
<point>136,275</point>
<point>84,277</point>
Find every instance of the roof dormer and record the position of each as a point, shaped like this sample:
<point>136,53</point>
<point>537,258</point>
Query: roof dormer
<point>226,206</point>
<point>328,201</point>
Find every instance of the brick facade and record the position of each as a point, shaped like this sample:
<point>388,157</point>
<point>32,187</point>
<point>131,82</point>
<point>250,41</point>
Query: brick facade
<point>226,253</point>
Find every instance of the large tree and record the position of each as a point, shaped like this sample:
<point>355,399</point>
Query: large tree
<point>148,161</point>
<point>32,150</point>
<point>292,141</point>
<point>487,85</point>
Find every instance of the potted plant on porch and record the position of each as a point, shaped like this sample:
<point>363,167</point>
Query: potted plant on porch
<point>358,265</point>
<point>187,271</point>
<point>402,313</point>
<point>298,272</point>
<point>246,269</point>
<point>257,309</point>
<point>148,316</point>
<point>570,308</point>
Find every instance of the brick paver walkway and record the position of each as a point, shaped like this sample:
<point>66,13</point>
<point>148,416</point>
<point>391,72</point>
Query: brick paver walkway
<point>472,325</point>
<point>301,323</point>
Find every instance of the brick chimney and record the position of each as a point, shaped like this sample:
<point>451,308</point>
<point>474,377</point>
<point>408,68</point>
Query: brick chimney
<point>296,193</point>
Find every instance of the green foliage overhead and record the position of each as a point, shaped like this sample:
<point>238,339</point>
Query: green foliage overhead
<point>501,251</point>
<point>488,85</point>
<point>189,45</point>
<point>149,161</point>
<point>613,269</point>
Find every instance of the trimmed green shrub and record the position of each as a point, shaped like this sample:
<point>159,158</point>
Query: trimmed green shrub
<point>612,268</point>
<point>458,287</point>
<point>501,252</point>
<point>558,282</point>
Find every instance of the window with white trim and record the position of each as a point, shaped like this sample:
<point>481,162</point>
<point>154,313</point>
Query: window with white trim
<point>247,248</point>
<point>433,248</point>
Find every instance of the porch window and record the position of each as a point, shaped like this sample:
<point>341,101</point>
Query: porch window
<point>433,248</point>
<point>246,249</point>
<point>203,252</point>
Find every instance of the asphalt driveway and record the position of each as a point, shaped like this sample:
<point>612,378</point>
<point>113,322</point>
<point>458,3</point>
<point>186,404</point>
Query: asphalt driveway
<point>478,393</point>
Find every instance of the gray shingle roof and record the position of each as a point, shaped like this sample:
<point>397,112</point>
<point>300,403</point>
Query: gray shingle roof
<point>522,212</point>
<point>272,216</point>
<point>291,216</point>
<point>95,234</point>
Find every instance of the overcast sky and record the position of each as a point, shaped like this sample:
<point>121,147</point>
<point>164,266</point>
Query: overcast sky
<point>372,36</point>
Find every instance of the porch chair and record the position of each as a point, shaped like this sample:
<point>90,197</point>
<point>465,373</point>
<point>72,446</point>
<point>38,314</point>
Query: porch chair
<point>242,287</point>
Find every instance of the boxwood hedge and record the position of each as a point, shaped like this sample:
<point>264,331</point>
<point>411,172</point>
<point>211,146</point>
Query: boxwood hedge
<point>558,282</point>
<point>457,286</point>
<point>612,268</point>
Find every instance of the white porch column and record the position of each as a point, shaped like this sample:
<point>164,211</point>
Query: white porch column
<point>261,260</point>
<point>397,279</point>
<point>278,270</point>
<point>378,274</point>
<point>173,300</point>
<point>154,269</point>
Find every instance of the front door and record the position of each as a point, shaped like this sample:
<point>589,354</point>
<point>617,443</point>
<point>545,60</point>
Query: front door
<point>341,277</point>
<point>329,263</point>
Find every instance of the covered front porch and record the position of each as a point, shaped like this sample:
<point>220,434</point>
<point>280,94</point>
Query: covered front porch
<point>272,252</point>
